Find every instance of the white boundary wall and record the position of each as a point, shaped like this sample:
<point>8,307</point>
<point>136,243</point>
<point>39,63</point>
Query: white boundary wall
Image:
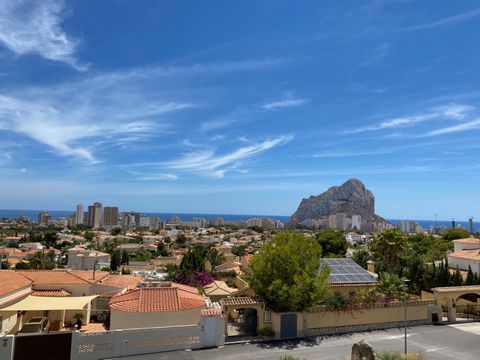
<point>116,343</point>
<point>6,347</point>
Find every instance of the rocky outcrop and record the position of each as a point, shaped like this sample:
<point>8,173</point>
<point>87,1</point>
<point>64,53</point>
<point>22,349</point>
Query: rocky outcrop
<point>351,198</point>
<point>362,350</point>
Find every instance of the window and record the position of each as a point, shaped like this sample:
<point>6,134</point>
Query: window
<point>268,316</point>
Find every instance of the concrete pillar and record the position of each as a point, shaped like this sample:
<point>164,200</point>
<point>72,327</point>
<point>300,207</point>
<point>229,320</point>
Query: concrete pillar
<point>452,314</point>
<point>452,311</point>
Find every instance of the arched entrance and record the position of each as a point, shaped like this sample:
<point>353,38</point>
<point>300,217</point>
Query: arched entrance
<point>242,315</point>
<point>242,322</point>
<point>468,306</point>
<point>461,300</point>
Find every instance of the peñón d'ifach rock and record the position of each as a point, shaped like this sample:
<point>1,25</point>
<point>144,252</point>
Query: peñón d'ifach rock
<point>351,198</point>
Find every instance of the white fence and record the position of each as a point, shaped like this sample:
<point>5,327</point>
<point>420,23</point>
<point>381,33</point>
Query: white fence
<point>116,343</point>
<point>6,347</point>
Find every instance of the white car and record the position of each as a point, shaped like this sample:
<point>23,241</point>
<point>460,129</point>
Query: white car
<point>36,325</point>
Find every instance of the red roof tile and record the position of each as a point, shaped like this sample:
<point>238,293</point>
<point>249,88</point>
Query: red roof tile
<point>122,281</point>
<point>55,293</point>
<point>171,298</point>
<point>470,240</point>
<point>10,282</point>
<point>211,312</point>
<point>88,275</point>
<point>53,277</point>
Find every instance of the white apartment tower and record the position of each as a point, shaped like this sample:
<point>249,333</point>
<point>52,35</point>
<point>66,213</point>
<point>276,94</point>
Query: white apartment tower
<point>79,215</point>
<point>356,222</point>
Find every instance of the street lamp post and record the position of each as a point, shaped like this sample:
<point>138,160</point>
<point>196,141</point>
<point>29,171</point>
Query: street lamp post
<point>405,282</point>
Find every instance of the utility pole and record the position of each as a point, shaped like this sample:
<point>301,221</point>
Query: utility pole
<point>405,282</point>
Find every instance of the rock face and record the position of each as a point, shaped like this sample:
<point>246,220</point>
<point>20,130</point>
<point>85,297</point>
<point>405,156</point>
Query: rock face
<point>351,198</point>
<point>362,350</point>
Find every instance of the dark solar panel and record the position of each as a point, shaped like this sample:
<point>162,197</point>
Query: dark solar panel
<point>347,271</point>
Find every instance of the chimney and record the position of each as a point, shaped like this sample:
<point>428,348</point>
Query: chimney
<point>371,266</point>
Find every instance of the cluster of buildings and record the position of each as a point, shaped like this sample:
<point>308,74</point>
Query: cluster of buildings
<point>413,227</point>
<point>109,217</point>
<point>343,222</point>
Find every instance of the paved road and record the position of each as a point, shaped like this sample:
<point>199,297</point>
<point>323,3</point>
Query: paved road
<point>458,341</point>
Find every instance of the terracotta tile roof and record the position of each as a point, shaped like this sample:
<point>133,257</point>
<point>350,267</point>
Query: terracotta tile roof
<point>160,299</point>
<point>10,281</point>
<point>219,288</point>
<point>211,312</point>
<point>240,301</point>
<point>53,277</point>
<point>88,275</point>
<point>228,266</point>
<point>122,281</point>
<point>55,293</point>
<point>473,254</point>
<point>470,240</point>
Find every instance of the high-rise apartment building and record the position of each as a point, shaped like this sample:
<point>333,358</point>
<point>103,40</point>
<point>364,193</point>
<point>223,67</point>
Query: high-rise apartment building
<point>341,221</point>
<point>79,215</point>
<point>332,221</point>
<point>356,222</point>
<point>110,217</point>
<point>470,225</point>
<point>404,226</point>
<point>94,218</point>
<point>44,218</point>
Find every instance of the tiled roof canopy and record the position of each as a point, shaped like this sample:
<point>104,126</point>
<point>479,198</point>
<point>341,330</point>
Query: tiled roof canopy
<point>159,299</point>
<point>10,282</point>
<point>51,293</point>
<point>470,240</point>
<point>53,277</point>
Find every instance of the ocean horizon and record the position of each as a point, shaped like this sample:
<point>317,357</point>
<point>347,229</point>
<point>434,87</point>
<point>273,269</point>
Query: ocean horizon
<point>56,214</point>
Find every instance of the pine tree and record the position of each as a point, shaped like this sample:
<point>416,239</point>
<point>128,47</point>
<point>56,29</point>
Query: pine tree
<point>457,279</point>
<point>470,277</point>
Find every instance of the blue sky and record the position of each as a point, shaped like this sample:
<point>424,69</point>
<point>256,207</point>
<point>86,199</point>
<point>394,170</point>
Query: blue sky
<point>240,107</point>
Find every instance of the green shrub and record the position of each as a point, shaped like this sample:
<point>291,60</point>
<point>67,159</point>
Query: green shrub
<point>266,331</point>
<point>288,357</point>
<point>388,355</point>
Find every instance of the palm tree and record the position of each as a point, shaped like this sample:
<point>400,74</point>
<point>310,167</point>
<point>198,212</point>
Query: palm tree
<point>390,245</point>
<point>391,286</point>
<point>215,257</point>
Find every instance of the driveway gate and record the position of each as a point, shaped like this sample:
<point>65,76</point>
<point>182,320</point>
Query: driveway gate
<point>288,326</point>
<point>53,346</point>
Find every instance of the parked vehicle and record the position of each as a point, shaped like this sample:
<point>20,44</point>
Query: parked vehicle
<point>36,325</point>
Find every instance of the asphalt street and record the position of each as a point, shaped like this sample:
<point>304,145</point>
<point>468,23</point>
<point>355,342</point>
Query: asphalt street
<point>457,341</point>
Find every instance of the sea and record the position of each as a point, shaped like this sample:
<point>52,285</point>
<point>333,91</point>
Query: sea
<point>56,214</point>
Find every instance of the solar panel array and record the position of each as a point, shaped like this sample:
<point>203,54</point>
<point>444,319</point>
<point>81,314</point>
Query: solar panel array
<point>347,271</point>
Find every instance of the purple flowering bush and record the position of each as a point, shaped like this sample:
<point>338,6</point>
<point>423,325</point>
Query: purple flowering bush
<point>195,278</point>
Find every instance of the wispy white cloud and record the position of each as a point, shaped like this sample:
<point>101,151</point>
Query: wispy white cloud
<point>207,162</point>
<point>470,125</point>
<point>450,20</point>
<point>107,109</point>
<point>216,124</point>
<point>34,27</point>
<point>149,176</point>
<point>341,154</point>
<point>5,158</point>
<point>378,54</point>
<point>449,111</point>
<point>288,100</point>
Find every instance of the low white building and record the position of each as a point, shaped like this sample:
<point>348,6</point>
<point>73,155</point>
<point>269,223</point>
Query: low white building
<point>169,305</point>
<point>466,254</point>
<point>81,259</point>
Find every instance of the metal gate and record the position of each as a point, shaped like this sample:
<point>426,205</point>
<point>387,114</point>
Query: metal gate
<point>54,346</point>
<point>288,326</point>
